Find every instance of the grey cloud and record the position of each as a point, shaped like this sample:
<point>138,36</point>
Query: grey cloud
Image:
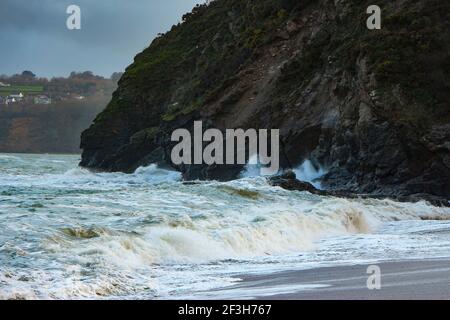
<point>33,33</point>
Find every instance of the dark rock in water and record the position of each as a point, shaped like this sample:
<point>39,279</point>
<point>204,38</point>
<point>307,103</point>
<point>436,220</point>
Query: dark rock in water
<point>214,172</point>
<point>289,181</point>
<point>372,106</point>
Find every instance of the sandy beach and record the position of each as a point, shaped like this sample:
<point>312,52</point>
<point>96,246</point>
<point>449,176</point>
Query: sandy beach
<point>400,280</point>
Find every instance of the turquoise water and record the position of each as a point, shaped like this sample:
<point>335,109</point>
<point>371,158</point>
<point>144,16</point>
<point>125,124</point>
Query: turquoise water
<point>67,233</point>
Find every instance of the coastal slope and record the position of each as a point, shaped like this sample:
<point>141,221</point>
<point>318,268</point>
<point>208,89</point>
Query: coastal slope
<point>371,106</point>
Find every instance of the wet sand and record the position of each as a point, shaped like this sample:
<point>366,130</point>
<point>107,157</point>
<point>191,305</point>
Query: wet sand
<point>409,280</point>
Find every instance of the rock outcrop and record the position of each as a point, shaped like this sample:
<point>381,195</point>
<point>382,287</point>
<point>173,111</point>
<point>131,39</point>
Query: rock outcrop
<point>288,181</point>
<point>373,106</point>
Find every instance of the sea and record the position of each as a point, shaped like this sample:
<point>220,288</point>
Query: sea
<point>69,233</point>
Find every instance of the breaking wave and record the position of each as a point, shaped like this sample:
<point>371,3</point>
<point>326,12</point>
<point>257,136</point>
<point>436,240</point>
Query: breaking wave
<point>306,171</point>
<point>147,235</point>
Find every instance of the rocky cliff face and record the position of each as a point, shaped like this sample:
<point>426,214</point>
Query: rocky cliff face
<point>373,106</point>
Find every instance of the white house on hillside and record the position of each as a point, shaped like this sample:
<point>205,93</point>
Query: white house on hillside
<point>13,98</point>
<point>42,99</point>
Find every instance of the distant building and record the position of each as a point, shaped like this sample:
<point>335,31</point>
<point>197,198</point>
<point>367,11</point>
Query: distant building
<point>42,99</point>
<point>10,100</point>
<point>14,98</point>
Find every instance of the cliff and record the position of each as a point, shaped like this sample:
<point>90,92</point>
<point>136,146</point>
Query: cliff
<point>372,106</point>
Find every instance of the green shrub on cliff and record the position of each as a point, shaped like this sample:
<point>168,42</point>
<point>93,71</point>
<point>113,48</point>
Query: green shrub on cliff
<point>193,59</point>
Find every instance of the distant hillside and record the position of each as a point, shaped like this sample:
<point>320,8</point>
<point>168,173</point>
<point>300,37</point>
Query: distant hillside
<point>29,125</point>
<point>12,89</point>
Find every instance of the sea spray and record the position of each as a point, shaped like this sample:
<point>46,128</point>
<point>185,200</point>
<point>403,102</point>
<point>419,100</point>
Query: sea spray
<point>306,171</point>
<point>311,173</point>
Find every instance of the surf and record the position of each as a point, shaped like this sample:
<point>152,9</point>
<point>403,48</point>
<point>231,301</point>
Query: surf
<point>149,235</point>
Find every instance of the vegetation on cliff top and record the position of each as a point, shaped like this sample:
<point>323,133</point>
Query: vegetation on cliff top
<point>411,53</point>
<point>195,60</point>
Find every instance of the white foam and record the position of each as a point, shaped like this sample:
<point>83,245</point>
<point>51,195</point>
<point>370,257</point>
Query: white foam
<point>308,172</point>
<point>251,170</point>
<point>161,238</point>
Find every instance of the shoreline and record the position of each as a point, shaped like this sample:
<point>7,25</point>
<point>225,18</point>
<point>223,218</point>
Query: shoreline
<point>400,280</point>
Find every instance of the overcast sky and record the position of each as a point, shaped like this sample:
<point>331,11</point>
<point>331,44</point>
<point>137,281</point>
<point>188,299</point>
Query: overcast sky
<point>34,36</point>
